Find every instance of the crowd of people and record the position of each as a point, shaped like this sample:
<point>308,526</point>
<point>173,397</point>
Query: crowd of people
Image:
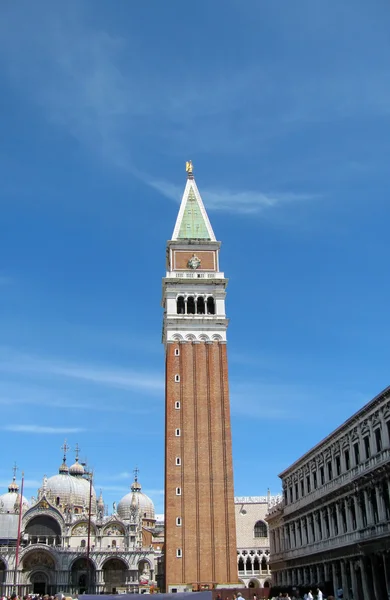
<point>309,595</point>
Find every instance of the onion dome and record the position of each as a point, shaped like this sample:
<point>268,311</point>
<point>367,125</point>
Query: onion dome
<point>10,501</point>
<point>136,498</point>
<point>63,468</point>
<point>77,469</point>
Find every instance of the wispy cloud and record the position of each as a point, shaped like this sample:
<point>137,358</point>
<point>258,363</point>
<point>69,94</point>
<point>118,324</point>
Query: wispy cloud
<point>13,362</point>
<point>40,429</point>
<point>87,81</point>
<point>242,202</point>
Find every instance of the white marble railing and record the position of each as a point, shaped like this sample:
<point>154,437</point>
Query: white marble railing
<point>337,482</point>
<point>194,275</point>
<point>372,531</point>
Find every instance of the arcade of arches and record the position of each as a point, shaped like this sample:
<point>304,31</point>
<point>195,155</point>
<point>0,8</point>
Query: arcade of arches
<point>43,530</point>
<point>115,574</point>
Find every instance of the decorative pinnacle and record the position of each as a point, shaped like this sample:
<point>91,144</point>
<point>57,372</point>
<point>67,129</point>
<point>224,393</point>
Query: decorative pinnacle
<point>189,169</point>
<point>136,471</point>
<point>14,469</point>
<point>65,449</point>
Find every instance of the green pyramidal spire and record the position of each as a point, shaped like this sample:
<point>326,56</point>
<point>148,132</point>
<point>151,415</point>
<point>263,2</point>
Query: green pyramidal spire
<point>192,221</point>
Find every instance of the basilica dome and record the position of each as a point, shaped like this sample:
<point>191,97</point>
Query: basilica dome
<point>136,500</point>
<point>69,488</point>
<point>10,501</point>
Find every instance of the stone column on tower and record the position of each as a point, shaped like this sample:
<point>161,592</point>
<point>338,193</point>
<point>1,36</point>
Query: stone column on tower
<point>200,535</point>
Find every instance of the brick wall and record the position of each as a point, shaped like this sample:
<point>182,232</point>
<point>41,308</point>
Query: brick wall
<point>207,535</point>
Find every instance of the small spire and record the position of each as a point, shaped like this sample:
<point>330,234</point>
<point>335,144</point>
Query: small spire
<point>64,467</point>
<point>100,499</point>
<point>136,487</point>
<point>13,487</point>
<point>77,450</point>
<point>189,169</point>
<point>65,449</point>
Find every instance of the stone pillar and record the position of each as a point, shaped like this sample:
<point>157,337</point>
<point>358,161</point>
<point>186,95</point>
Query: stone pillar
<point>367,502</point>
<point>323,526</point>
<point>366,590</point>
<point>348,514</point>
<point>387,572</point>
<point>375,580</point>
<point>331,524</point>
<point>344,580</point>
<point>304,531</point>
<point>316,517</point>
<point>318,574</point>
<point>381,502</point>
<point>358,508</point>
<point>338,518</point>
<point>353,579</point>
<point>326,571</point>
<point>334,580</point>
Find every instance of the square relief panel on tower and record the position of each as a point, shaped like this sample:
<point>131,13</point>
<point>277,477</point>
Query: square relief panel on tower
<point>184,260</point>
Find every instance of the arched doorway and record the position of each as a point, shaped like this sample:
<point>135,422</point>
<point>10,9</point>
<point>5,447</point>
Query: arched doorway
<point>83,576</point>
<point>266,584</point>
<point>39,581</point>
<point>254,583</point>
<point>40,568</point>
<point>114,575</point>
<point>43,529</point>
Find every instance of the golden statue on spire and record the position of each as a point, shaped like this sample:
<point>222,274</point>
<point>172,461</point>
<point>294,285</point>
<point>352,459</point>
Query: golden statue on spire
<point>189,167</point>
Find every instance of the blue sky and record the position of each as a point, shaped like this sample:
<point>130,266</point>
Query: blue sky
<point>284,109</point>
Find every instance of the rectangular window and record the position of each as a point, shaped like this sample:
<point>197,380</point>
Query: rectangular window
<point>178,491</point>
<point>356,453</point>
<point>178,461</point>
<point>347,460</point>
<point>177,352</point>
<point>177,404</point>
<point>308,487</point>
<point>178,553</point>
<point>315,480</point>
<point>388,429</point>
<point>322,475</point>
<point>177,433</point>
<point>338,465</point>
<point>302,488</point>
<point>378,439</point>
<point>296,491</point>
<point>330,472</point>
<point>291,494</point>
<point>367,446</point>
<point>178,521</point>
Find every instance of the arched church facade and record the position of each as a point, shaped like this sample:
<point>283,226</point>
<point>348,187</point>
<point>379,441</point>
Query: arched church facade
<point>65,547</point>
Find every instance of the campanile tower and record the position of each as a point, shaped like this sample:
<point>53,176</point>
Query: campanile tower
<point>200,533</point>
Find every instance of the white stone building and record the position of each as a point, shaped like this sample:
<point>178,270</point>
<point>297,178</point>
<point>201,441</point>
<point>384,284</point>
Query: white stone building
<point>69,544</point>
<point>253,552</point>
<point>332,527</point>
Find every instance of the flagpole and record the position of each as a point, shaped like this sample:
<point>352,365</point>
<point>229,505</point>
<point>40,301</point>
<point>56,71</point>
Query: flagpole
<point>89,532</point>
<point>19,531</point>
